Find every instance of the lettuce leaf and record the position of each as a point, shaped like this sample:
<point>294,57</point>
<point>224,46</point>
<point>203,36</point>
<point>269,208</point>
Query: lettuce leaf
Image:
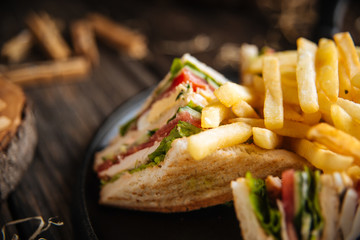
<point>308,220</point>
<point>127,126</point>
<point>182,129</point>
<point>268,216</point>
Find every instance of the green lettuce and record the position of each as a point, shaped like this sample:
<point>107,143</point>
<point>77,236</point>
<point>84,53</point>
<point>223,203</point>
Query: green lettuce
<point>308,220</point>
<point>182,129</point>
<point>268,216</point>
<point>127,126</point>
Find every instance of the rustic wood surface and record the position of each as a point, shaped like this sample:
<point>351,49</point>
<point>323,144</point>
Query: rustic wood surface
<point>68,113</point>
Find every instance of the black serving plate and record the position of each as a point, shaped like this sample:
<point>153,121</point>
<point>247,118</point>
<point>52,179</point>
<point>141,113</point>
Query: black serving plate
<point>94,221</point>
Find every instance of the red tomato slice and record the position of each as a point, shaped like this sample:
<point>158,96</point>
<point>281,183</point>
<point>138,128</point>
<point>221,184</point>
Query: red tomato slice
<point>288,193</point>
<point>186,76</point>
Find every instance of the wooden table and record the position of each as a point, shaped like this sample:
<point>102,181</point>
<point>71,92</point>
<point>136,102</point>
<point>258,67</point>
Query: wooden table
<point>68,113</point>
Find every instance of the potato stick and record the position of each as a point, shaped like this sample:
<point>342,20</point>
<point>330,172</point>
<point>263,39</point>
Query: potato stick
<point>324,103</point>
<point>273,105</point>
<point>213,114</point>
<point>312,118</point>
<point>349,55</point>
<point>119,36</point>
<point>288,71</point>
<point>4,122</point>
<point>287,59</point>
<point>84,41</point>
<point>266,138</point>
<point>258,84</point>
<point>290,128</point>
<point>355,94</point>
<point>321,157</point>
<point>243,109</point>
<point>352,108</point>
<point>289,81</point>
<point>291,114</point>
<point>16,49</point>
<point>336,140</point>
<point>343,121</point>
<point>203,144</point>
<point>253,122</point>
<point>47,71</point>
<point>344,82</point>
<point>290,94</point>
<point>231,93</point>
<point>247,54</point>
<point>305,75</point>
<point>48,35</point>
<point>327,68</point>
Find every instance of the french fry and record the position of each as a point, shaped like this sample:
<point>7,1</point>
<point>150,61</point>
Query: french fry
<point>213,114</point>
<point>327,68</point>
<point>243,109</point>
<point>47,71</point>
<point>324,103</point>
<point>203,144</point>
<point>48,35</point>
<point>320,156</point>
<point>289,79</point>
<point>344,83</point>
<point>253,122</point>
<point>336,140</point>
<point>291,114</point>
<point>290,128</point>
<point>287,59</point>
<point>312,118</point>
<point>16,49</point>
<point>273,105</point>
<point>208,95</point>
<point>266,138</point>
<point>349,55</point>
<point>352,108</point>
<point>247,54</point>
<point>355,94</point>
<point>343,121</point>
<point>305,75</point>
<point>231,93</point>
<point>290,94</point>
<point>84,41</point>
<point>119,36</point>
<point>258,83</point>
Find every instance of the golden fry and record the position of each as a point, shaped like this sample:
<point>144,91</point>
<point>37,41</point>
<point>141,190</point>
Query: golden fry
<point>243,109</point>
<point>349,55</point>
<point>203,144</point>
<point>305,75</point>
<point>231,93</point>
<point>213,114</point>
<point>321,157</point>
<point>266,138</point>
<point>327,68</point>
<point>336,140</point>
<point>273,105</point>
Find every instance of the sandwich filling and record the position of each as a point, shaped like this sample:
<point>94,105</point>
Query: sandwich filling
<point>173,112</point>
<point>303,216</point>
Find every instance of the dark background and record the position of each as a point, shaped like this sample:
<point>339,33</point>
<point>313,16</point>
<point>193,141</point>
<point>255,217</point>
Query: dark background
<point>68,113</point>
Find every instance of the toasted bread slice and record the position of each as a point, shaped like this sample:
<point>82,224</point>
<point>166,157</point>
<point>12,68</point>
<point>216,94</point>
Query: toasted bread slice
<point>180,183</point>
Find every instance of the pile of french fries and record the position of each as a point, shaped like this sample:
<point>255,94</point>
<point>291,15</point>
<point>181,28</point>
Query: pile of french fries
<point>306,101</point>
<point>65,63</point>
